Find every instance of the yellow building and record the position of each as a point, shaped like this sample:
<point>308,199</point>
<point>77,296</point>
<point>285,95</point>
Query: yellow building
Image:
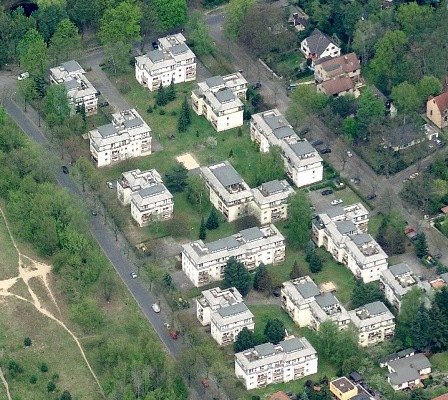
<point>343,389</point>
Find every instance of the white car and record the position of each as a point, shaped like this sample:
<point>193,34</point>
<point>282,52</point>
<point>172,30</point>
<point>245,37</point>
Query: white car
<point>414,175</point>
<point>349,154</point>
<point>110,184</point>
<point>23,76</point>
<point>133,275</point>
<point>156,308</point>
<point>335,202</point>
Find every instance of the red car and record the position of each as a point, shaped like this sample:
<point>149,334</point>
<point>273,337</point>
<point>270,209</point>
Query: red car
<point>205,382</point>
<point>173,335</point>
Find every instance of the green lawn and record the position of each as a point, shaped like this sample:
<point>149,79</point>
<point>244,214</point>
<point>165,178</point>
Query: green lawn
<point>440,361</point>
<point>374,224</point>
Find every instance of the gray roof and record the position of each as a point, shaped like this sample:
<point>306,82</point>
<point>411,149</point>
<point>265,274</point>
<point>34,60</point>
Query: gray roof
<point>345,227</point>
<point>71,84</point>
<point>283,132</point>
<point>215,81</point>
<point>132,123</point>
<point>292,344</point>
<point>272,187</point>
<point>265,349</point>
<point>275,121</point>
<point>179,48</point>
<point>227,175</point>
<point>221,244</point>
<point>326,299</point>
<point>225,95</point>
<point>234,309</point>
<point>390,357</point>
<point>71,66</point>
<point>107,130</point>
<point>308,289</point>
<point>375,308</point>
<point>152,190</point>
<point>405,134</point>
<point>252,234</point>
<point>405,352</point>
<point>361,396</point>
<point>399,269</point>
<point>361,238</point>
<point>302,148</point>
<point>335,211</point>
<point>318,42</point>
<point>155,55</point>
<point>444,276</point>
<point>407,369</point>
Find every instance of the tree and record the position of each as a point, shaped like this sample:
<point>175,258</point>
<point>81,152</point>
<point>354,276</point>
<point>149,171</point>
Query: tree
<point>371,110</point>
<point>171,13</point>
<point>297,271</point>
<point>236,275</point>
<point>82,13</point>
<point>428,86</point>
<point>420,329</point>
<point>236,11</point>
<point>189,364</point>
<point>421,246</point>
<point>270,166</point>
<point>199,37</point>
<point>262,279</point>
<point>85,172</point>
<point>408,311</point>
<point>244,340</point>
<point>438,329</point>
<point>32,53</point>
<point>66,395</point>
<point>299,221</point>
<point>171,93</point>
<point>197,192</point>
<point>315,264</point>
<point>108,285</point>
<point>413,18</point>
<point>274,331</point>
<point>184,117</point>
<point>350,129</point>
<point>27,91</point>
<point>365,36</point>
<point>49,14</point>
<point>405,98</point>
<point>176,178</point>
<point>56,107</point>
<point>311,101</point>
<point>441,300</point>
<point>161,97</point>
<point>65,44</point>
<point>365,293</point>
<point>202,230</point>
<point>212,220</point>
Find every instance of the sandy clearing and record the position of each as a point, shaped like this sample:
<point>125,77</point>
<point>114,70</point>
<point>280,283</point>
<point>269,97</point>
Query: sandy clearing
<point>188,160</point>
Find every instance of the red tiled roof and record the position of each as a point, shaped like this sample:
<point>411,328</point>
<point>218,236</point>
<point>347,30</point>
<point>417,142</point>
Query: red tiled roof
<point>338,65</point>
<point>279,396</point>
<point>441,397</point>
<point>444,209</point>
<point>337,85</point>
<point>441,101</point>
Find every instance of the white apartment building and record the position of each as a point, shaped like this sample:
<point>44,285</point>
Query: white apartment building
<point>309,307</point>
<point>212,300</point>
<point>271,201</point>
<point>172,61</point>
<point>152,203</point>
<point>205,262</point>
<point>227,322</point>
<point>303,164</point>
<point>79,89</point>
<point>291,359</point>
<point>344,237</point>
<point>271,128</point>
<point>228,192</point>
<point>373,322</point>
<point>131,182</point>
<point>128,136</point>
<point>397,281</point>
<point>218,99</point>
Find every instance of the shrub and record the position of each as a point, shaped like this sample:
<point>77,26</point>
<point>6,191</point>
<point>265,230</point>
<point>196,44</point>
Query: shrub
<point>51,387</point>
<point>27,341</point>
<point>149,110</point>
<point>55,377</point>
<point>33,379</point>
<point>162,112</point>
<point>43,367</point>
<point>173,113</point>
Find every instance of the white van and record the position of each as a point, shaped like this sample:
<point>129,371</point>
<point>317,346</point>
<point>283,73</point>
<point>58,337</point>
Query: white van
<point>23,76</point>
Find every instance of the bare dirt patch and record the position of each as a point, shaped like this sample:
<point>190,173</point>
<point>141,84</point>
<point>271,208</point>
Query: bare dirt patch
<point>188,160</point>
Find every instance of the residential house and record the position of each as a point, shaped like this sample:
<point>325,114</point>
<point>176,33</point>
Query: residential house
<point>213,299</point>
<point>343,236</point>
<point>373,322</point>
<point>228,192</point>
<point>271,128</point>
<point>391,110</point>
<point>397,280</point>
<point>271,201</point>
<point>384,362</point>
<point>291,359</point>
<point>408,372</point>
<point>343,389</point>
<point>173,61</point>
<point>218,99</point>
<point>80,91</point>
<point>309,307</point>
<point>303,164</point>
<point>318,45</point>
<point>128,136</point>
<point>131,182</point>
<point>281,395</point>
<point>440,282</point>
<point>441,397</point>
<point>437,110</point>
<point>205,262</point>
<point>338,86</point>
<point>152,203</point>
<point>227,322</point>
<point>298,19</point>
<point>405,136</point>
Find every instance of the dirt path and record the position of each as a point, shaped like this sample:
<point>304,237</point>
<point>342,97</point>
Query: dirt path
<point>27,269</point>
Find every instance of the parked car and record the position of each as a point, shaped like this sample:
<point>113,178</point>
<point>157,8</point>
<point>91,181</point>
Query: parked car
<point>338,183</point>
<point>104,103</point>
<point>414,175</point>
<point>110,185</point>
<point>256,86</point>
<point>133,275</point>
<point>349,153</point>
<point>356,180</point>
<point>371,196</point>
<point>317,143</point>
<point>304,131</point>
<point>65,169</point>
<point>204,382</point>
<point>155,308</point>
<point>94,213</point>
<point>325,151</point>
<point>335,202</point>
<point>23,76</point>
<point>326,192</point>
<point>155,46</point>
<point>276,293</point>
<point>173,335</point>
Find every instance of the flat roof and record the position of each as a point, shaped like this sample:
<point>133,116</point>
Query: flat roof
<point>265,349</point>
<point>375,308</point>
<point>233,309</point>
<point>399,269</point>
<point>132,123</point>
<point>343,384</point>
<point>221,244</point>
<point>272,187</point>
<point>155,55</point>
<point>252,234</point>
<point>307,289</point>
<point>301,148</point>
<point>179,48</point>
<point>225,95</point>
<point>215,81</point>
<point>71,66</point>
<point>152,190</point>
<point>107,130</point>
<point>283,132</point>
<point>345,227</point>
<point>326,299</point>
<point>226,175</point>
<point>292,344</point>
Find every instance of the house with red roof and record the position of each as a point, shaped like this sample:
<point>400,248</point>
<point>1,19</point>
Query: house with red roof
<point>437,109</point>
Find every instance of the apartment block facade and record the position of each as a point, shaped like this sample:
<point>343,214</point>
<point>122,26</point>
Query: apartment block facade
<point>79,89</point>
<point>293,358</point>
<point>373,322</point>
<point>212,300</point>
<point>205,262</point>
<point>131,182</point>
<point>173,61</point>
<point>218,100</point>
<point>309,307</point>
<point>128,136</point>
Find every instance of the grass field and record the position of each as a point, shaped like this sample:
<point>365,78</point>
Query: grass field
<point>440,361</point>
<point>9,261</point>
